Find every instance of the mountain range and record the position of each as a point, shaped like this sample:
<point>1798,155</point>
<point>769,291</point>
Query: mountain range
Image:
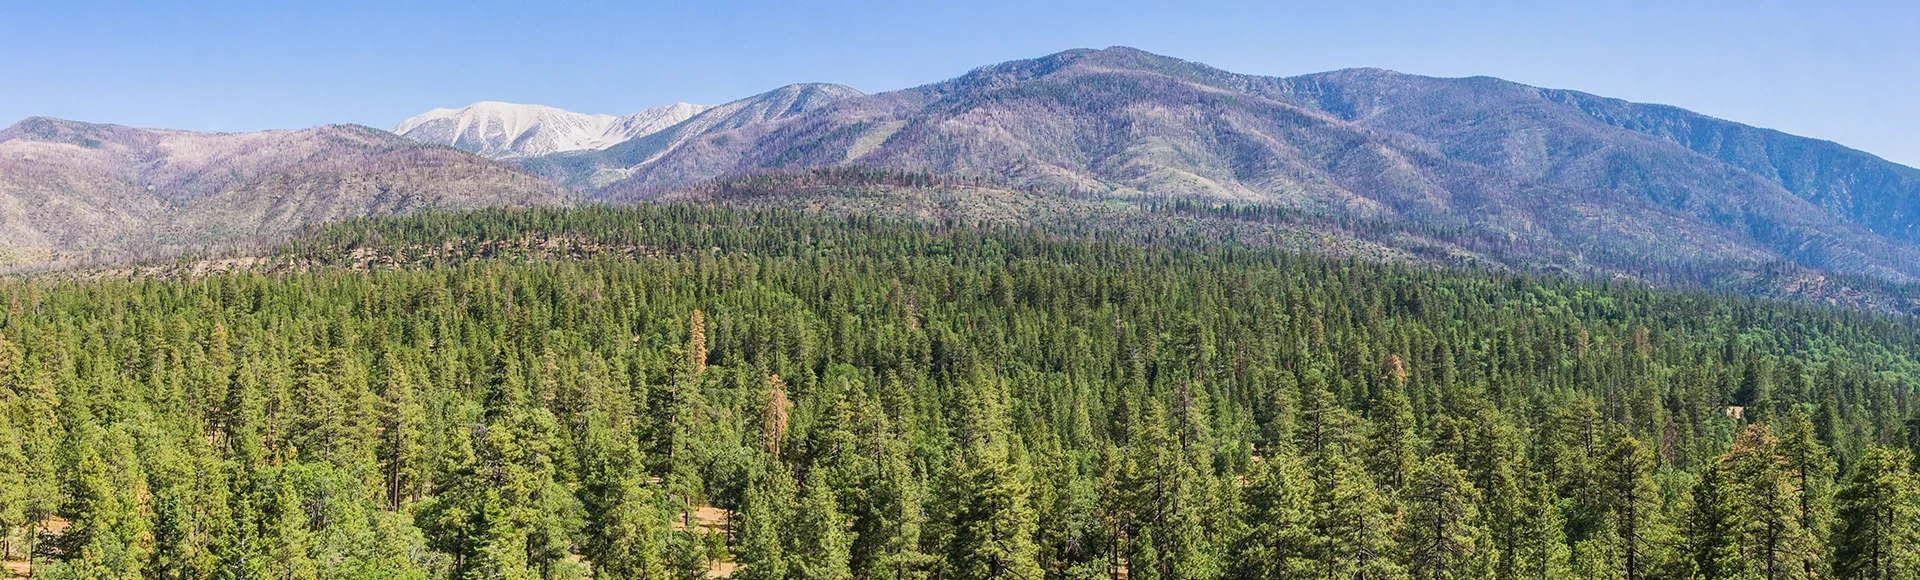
<point>1453,170</point>
<point>1578,180</point>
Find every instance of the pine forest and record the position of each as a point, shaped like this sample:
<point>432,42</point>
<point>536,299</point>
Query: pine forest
<point>679,391</point>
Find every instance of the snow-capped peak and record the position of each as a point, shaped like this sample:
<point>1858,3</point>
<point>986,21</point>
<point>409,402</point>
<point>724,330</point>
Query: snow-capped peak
<point>508,130</point>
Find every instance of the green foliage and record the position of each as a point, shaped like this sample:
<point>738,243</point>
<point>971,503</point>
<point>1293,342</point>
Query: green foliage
<point>526,396</point>
<point>1877,534</point>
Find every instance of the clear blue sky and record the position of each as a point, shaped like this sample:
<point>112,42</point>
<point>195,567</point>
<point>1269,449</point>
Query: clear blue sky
<point>1842,70</point>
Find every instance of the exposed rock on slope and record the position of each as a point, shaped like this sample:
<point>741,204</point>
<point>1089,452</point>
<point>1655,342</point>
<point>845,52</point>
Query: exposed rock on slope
<point>699,146</point>
<point>509,130</point>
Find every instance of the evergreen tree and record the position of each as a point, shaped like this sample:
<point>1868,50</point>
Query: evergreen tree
<point>1442,527</point>
<point>1354,527</point>
<point>401,429</point>
<point>1631,503</point>
<point>820,545</point>
<point>107,536</point>
<point>1391,446</point>
<point>1809,469</point>
<point>1877,537</point>
<point>1715,526</point>
<point>1280,541</point>
<point>990,521</point>
<point>1774,545</point>
<point>626,531</point>
<point>764,516</point>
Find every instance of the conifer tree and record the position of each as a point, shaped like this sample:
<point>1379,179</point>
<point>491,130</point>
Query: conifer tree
<point>286,541</point>
<point>1774,545</point>
<point>1443,524</point>
<point>887,534</point>
<point>625,532</point>
<point>1810,470</point>
<point>697,343</point>
<point>1280,540</point>
<point>821,547</point>
<point>14,471</point>
<point>1354,527</point>
<point>1391,446</point>
<point>1715,526</point>
<point>1631,503</point>
<point>401,429</point>
<point>764,516</point>
<point>773,421</point>
<point>1877,537</point>
<point>108,536</point>
<point>1539,546</point>
<point>990,520</point>
<point>473,516</point>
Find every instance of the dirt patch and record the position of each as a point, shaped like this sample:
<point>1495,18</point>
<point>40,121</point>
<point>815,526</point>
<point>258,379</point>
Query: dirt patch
<point>705,519</point>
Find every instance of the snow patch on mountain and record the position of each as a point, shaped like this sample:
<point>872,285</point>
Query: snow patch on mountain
<point>512,130</point>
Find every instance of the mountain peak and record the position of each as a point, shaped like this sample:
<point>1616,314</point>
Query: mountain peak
<point>504,130</point>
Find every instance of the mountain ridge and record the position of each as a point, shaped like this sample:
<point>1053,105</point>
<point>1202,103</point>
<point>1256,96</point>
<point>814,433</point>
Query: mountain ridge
<point>1570,173</point>
<point>502,130</point>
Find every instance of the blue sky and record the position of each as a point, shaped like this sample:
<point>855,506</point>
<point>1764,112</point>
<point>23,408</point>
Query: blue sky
<point>1841,70</point>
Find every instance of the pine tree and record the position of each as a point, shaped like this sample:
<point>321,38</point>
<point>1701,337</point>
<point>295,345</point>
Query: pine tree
<point>821,547</point>
<point>1540,550</point>
<point>887,533</point>
<point>1280,541</point>
<point>991,522</point>
<point>1715,526</point>
<point>14,471</point>
<point>625,532</point>
<point>697,343</point>
<point>773,421</point>
<point>474,516</point>
<point>286,541</point>
<point>1877,538</point>
<point>1774,545</point>
<point>108,535</point>
<point>401,426</point>
<point>1809,469</point>
<point>1440,536</point>
<point>1631,504</point>
<point>1354,527</point>
<point>764,516</point>
<point>1391,446</point>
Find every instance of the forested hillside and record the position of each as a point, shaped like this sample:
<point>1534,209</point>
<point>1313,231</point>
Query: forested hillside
<point>673,391</point>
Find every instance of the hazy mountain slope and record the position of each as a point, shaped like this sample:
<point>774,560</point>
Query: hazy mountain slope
<point>510,130</point>
<point>1666,160</point>
<point>712,131</point>
<point>68,186</point>
<point>1488,162</point>
<point>1859,186</point>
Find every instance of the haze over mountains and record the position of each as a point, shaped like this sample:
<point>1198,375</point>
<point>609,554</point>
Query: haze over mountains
<point>68,187</point>
<point>1475,170</point>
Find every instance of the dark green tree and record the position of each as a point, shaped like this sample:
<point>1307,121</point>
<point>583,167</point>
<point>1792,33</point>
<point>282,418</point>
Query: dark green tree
<point>1877,537</point>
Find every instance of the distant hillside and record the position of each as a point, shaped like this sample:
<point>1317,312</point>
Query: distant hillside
<point>1555,179</point>
<point>70,189</point>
